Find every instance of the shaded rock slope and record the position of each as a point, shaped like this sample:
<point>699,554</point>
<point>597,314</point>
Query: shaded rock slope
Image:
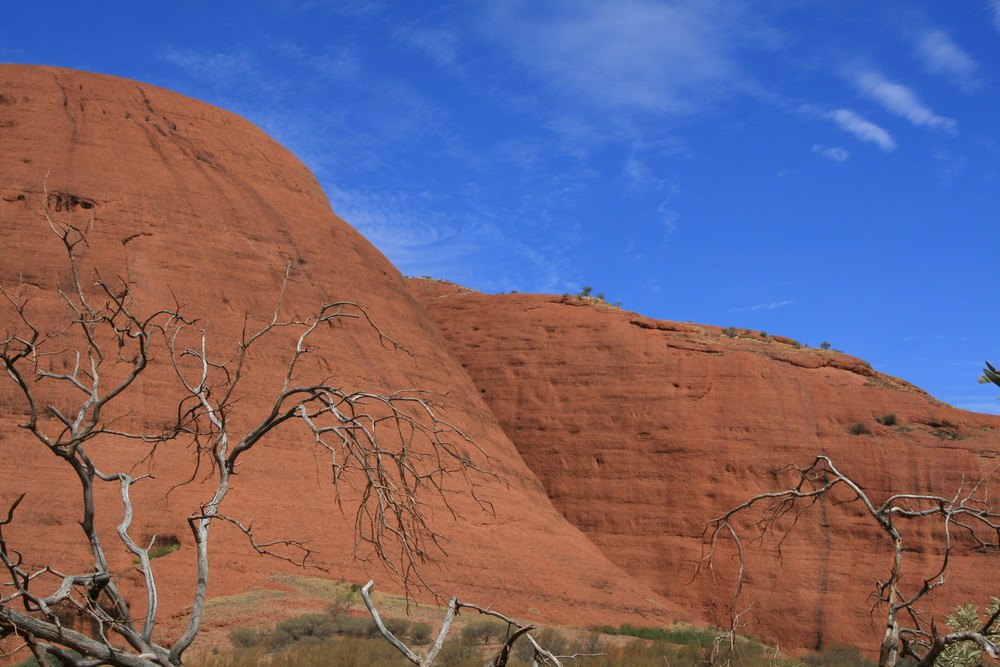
<point>641,430</point>
<point>195,206</point>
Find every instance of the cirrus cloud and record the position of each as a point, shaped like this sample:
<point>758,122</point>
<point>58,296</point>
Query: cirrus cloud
<point>942,56</point>
<point>863,129</point>
<point>902,101</point>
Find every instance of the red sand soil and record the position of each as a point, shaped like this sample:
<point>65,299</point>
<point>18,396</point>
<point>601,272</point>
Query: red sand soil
<point>641,430</point>
<point>196,206</point>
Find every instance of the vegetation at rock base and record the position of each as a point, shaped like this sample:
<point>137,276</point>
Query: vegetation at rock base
<point>320,639</point>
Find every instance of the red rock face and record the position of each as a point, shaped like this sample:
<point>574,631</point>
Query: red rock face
<point>642,430</point>
<point>197,207</point>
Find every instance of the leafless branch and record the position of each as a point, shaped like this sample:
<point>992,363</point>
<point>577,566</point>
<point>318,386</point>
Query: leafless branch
<point>967,511</point>
<point>498,659</point>
<point>387,451</point>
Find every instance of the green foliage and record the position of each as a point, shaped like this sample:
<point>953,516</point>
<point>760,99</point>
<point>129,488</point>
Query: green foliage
<point>484,630</point>
<point>342,603</point>
<point>356,626</point>
<point>601,296</point>
<point>968,618</point>
<point>460,653</point>
<point>550,639</point>
<point>244,637</point>
<point>397,626</point>
<point>585,292</point>
<point>680,636</point>
<point>308,625</point>
<point>420,633</point>
<point>163,550</point>
<point>167,545</point>
<point>837,655</point>
<point>673,647</point>
<point>729,332</point>
<point>990,374</point>
<point>824,345</point>
<point>860,428</point>
<point>887,420</point>
<point>49,660</point>
<point>348,652</point>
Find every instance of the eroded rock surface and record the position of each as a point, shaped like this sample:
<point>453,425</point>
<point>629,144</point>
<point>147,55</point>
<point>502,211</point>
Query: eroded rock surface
<point>197,207</point>
<point>641,430</point>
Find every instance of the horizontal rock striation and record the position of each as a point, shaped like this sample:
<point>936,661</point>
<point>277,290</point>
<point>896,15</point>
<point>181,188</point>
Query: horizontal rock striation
<point>642,430</point>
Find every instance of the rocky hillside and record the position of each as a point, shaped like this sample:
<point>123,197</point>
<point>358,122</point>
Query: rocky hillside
<point>196,208</point>
<point>641,430</point>
<point>615,436</point>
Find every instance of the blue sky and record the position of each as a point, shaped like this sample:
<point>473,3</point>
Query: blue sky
<point>827,170</point>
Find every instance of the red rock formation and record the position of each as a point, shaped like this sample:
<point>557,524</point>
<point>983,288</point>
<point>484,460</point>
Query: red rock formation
<point>641,430</point>
<point>194,205</point>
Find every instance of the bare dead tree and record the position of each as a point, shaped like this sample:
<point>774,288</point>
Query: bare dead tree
<point>909,631</point>
<point>498,659</point>
<point>392,450</point>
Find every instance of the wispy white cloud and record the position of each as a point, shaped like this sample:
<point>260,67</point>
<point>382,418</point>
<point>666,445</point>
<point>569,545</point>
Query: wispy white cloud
<point>641,179</point>
<point>994,6</point>
<point>863,129</point>
<point>439,44</point>
<point>951,167</point>
<point>219,68</point>
<point>942,56</point>
<point>635,55</point>
<point>421,239</point>
<point>902,101</point>
<point>835,153</point>
<point>973,405</point>
<point>762,306</point>
<point>349,8</point>
<point>341,63</point>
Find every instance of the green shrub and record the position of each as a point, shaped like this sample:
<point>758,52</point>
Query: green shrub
<point>342,603</point>
<point>420,633</point>
<point>887,420</point>
<point>549,639</point>
<point>962,619</point>
<point>459,653</point>
<point>824,345</point>
<point>165,545</point>
<point>307,625</point>
<point>356,626</point>
<point>397,626</point>
<point>244,637</point>
<point>859,429</point>
<point>163,550</point>
<point>680,636</point>
<point>347,652</point>
<point>837,655</point>
<point>49,660</point>
<point>585,292</point>
<point>484,630</point>
<point>276,640</point>
<point>729,332</point>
